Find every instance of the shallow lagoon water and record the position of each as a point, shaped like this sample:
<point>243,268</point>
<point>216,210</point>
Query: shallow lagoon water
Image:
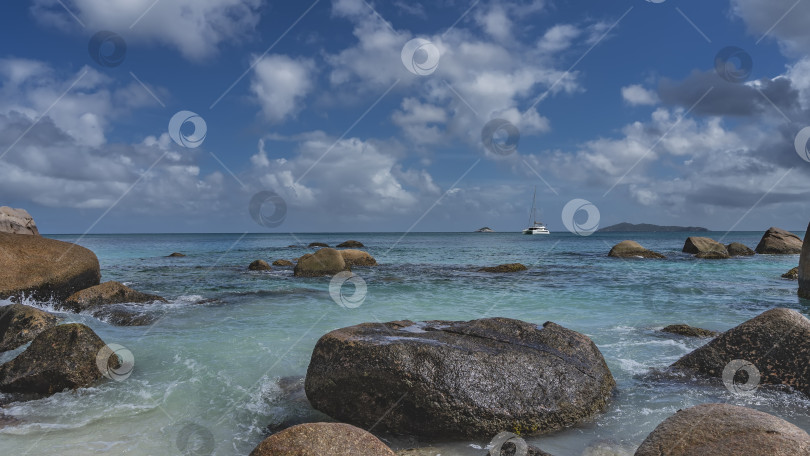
<point>208,371</point>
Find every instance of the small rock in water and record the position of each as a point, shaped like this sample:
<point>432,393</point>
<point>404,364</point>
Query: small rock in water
<point>698,244</point>
<point>777,241</point>
<point>283,263</point>
<point>793,274</point>
<point>737,249</point>
<point>176,255</point>
<point>19,324</point>
<point>351,244</point>
<point>107,293</point>
<point>632,249</point>
<point>322,439</point>
<point>689,331</point>
<point>259,265</point>
<point>511,267</point>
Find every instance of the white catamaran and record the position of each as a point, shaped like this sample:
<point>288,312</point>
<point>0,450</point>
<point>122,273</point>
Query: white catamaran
<point>536,227</point>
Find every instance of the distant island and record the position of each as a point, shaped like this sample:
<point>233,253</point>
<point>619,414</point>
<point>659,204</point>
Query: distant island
<point>648,228</point>
<point>485,229</point>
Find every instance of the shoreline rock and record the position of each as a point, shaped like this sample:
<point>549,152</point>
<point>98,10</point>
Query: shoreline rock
<point>322,439</point>
<point>793,274</point>
<point>17,221</point>
<point>777,241</point>
<point>105,294</point>
<point>259,265</point>
<point>738,249</point>
<point>698,244</point>
<point>455,379</point>
<point>632,249</point>
<point>20,324</point>
<point>176,255</point>
<point>325,261</point>
<point>504,268</point>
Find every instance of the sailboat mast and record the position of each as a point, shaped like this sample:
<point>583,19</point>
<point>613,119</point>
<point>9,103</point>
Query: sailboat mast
<point>533,214</point>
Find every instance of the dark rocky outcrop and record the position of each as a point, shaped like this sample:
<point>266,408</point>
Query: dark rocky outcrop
<point>322,439</point>
<point>17,221</point>
<point>632,249</point>
<point>793,274</point>
<point>723,429</point>
<point>44,268</point>
<point>697,244</point>
<point>351,244</point>
<point>738,249</point>
<point>804,270</point>
<point>107,293</point>
<point>283,263</point>
<point>777,241</point>
<point>59,358</point>
<point>354,257</point>
<point>689,331</point>
<point>19,324</point>
<point>259,265</point>
<point>325,261</point>
<point>452,379</point>
<point>504,268</point>
<point>776,342</point>
<point>317,244</point>
<point>176,255</point>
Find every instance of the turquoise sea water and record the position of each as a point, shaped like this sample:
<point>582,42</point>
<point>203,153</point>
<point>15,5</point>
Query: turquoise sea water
<point>212,363</point>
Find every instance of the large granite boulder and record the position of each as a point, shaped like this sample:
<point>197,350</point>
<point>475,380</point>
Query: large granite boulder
<point>322,439</point>
<point>450,379</point>
<point>722,430</point>
<point>739,249</point>
<point>17,221</point>
<point>804,270</point>
<point>777,241</point>
<point>19,324</point>
<point>698,244</point>
<point>62,357</point>
<point>44,268</point>
<point>776,342</point>
<point>325,261</point>
<point>354,257</point>
<point>632,249</point>
<point>105,294</point>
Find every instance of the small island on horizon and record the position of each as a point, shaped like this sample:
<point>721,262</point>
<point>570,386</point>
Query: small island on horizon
<point>649,228</point>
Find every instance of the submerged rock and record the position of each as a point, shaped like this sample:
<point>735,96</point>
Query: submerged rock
<point>511,267</point>
<point>107,293</point>
<point>121,315</point>
<point>793,274</point>
<point>721,430</point>
<point>62,357</point>
<point>317,244</point>
<point>44,268</point>
<point>804,270</point>
<point>354,257</point>
<point>632,249</point>
<point>283,263</point>
<point>321,439</point>
<point>738,249</point>
<point>17,221</point>
<point>176,255</point>
<point>452,379</point>
<point>259,265</point>
<point>325,261</point>
<point>776,342</point>
<point>777,241</point>
<point>689,331</point>
<point>19,324</point>
<point>713,256</point>
<point>351,244</point>
<point>698,244</point>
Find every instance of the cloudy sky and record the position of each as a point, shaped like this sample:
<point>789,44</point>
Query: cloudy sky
<point>353,115</point>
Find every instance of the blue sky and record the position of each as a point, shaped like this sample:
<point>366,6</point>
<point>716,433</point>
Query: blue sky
<point>616,103</point>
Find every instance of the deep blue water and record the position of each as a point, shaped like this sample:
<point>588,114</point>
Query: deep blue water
<point>227,335</point>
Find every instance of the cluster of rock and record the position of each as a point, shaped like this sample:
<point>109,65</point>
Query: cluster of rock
<point>323,262</point>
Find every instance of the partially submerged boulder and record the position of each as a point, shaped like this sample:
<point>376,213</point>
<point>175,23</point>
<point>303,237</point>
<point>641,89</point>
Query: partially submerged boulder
<point>776,342</point>
<point>283,263</point>
<point>723,429</point>
<point>176,255</point>
<point>451,379</point>
<point>62,357</point>
<point>350,244</point>
<point>19,324</point>
<point>17,221</point>
<point>804,270</point>
<point>354,257</point>
<point>698,244</point>
<point>259,265</point>
<point>777,241</point>
<point>713,255</point>
<point>504,268</point>
<point>632,249</point>
<point>689,331</point>
<point>321,439</point>
<point>325,261</point>
<point>793,274</point>
<point>738,249</point>
<point>43,268</point>
<point>107,293</point>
